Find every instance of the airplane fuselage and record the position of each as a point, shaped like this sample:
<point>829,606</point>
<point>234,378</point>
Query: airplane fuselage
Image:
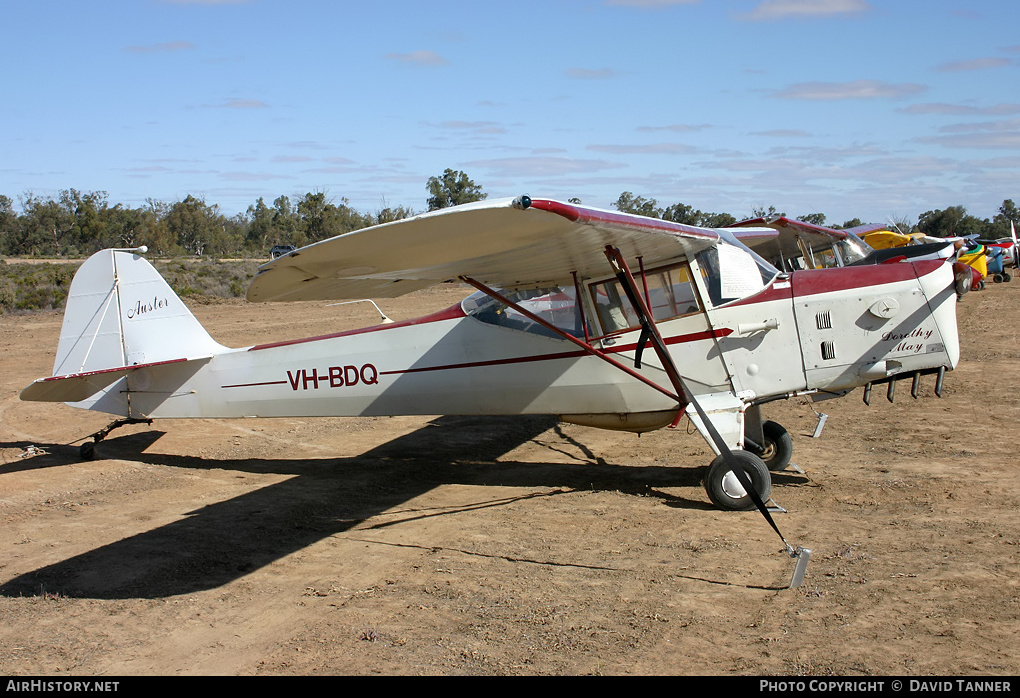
<point>812,331</point>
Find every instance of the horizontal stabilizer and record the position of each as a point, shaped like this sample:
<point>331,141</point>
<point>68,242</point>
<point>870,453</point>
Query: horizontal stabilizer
<point>76,387</point>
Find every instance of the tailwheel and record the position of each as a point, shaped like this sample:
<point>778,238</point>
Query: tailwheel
<point>723,485</point>
<point>777,448</point>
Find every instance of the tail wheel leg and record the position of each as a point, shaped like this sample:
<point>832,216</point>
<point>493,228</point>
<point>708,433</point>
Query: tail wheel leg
<point>87,451</point>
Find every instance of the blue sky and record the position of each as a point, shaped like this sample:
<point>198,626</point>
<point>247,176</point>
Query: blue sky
<point>852,108</point>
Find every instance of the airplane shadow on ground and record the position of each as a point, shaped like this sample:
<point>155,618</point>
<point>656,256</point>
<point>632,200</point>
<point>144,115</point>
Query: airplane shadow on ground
<point>221,542</point>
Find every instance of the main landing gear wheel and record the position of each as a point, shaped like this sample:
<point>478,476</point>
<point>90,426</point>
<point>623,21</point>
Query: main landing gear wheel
<point>778,447</point>
<point>724,488</point>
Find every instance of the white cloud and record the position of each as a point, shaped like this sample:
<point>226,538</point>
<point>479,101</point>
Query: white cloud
<point>676,128</point>
<point>542,166</point>
<point>167,47</point>
<point>856,89</point>
<point>476,127</point>
<point>1003,109</point>
<point>983,141</point>
<point>421,58</point>
<point>245,104</point>
<point>590,74</point>
<point>650,4</point>
<point>782,133</point>
<point>988,135</point>
<point>998,126</point>
<point>645,149</point>
<point>206,2</point>
<point>974,64</point>
<point>785,9</point>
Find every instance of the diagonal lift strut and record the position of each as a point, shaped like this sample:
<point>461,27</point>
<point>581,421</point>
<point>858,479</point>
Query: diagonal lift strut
<point>680,392</point>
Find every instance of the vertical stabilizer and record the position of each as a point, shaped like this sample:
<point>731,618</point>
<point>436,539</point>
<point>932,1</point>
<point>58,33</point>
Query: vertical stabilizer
<point>121,312</point>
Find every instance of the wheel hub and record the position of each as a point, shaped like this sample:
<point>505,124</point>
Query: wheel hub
<point>731,486</point>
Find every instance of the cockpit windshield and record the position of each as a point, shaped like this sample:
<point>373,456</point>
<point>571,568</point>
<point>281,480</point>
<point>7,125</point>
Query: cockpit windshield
<point>852,249</point>
<point>732,272</point>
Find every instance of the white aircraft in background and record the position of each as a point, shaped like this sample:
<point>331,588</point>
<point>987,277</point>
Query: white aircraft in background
<point>602,318</point>
<point>791,244</point>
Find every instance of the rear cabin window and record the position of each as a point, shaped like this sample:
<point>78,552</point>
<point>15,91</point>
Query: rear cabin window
<point>668,292</point>
<point>557,306</point>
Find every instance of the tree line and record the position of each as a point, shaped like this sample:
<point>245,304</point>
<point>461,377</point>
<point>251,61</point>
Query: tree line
<point>77,224</point>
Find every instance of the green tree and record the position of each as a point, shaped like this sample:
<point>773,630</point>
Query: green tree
<point>90,213</point>
<point>677,213</point>
<point>762,212</point>
<point>196,226</point>
<point>1008,213</point>
<point>155,233</point>
<point>45,227</point>
<point>639,205</point>
<point>388,215</point>
<point>323,219</point>
<point>682,213</point>
<point>10,233</point>
<point>260,225</point>
<point>716,220</point>
<point>452,188</point>
<point>951,222</point>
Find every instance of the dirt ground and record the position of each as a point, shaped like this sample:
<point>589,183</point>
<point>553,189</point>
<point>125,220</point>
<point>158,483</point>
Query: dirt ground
<point>508,546</point>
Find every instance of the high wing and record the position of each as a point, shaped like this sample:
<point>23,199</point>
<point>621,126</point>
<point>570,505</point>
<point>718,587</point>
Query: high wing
<point>510,243</point>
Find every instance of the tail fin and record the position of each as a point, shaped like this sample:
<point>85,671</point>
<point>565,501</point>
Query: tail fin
<point>121,312</point>
<point>121,315</point>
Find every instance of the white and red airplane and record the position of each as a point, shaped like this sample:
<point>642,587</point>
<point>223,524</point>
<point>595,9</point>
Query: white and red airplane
<point>602,318</point>
<point>791,244</point>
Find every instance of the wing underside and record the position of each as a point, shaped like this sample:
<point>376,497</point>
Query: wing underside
<point>512,244</point>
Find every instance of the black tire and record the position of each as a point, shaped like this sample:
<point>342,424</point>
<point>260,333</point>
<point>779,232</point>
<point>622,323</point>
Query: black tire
<point>87,450</point>
<point>1006,276</point>
<point>778,446</point>
<point>724,488</point>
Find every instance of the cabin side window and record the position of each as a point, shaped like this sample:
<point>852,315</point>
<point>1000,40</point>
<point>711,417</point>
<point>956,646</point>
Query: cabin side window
<point>557,306</point>
<point>668,293</point>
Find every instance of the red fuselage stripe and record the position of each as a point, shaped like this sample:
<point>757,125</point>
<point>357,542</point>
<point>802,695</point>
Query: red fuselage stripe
<point>680,339</point>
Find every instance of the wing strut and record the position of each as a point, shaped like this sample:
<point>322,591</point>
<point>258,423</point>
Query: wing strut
<point>588,348</point>
<point>650,330</point>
